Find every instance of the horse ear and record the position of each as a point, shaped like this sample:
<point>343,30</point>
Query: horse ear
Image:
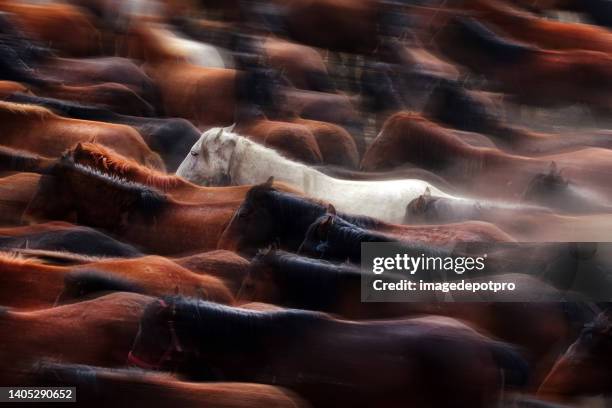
<point>427,192</point>
<point>269,182</point>
<point>78,148</point>
<point>552,169</point>
<point>218,136</point>
<point>231,128</point>
<point>331,209</point>
<point>324,226</point>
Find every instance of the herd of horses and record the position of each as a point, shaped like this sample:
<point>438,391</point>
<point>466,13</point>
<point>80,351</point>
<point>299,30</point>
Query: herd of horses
<point>186,185</point>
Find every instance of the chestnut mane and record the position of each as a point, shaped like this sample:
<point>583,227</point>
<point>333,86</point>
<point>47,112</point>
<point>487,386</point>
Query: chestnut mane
<point>124,193</point>
<point>108,161</point>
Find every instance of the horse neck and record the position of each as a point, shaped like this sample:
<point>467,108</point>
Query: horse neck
<point>253,164</point>
<point>235,330</point>
<point>21,119</point>
<point>294,215</point>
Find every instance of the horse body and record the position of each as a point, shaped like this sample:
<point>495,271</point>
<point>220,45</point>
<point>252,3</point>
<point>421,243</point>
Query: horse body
<point>268,216</point>
<point>100,387</point>
<point>252,164</point>
<point>16,191</point>
<point>409,138</point>
<point>29,284</point>
<point>271,347</point>
<point>21,130</point>
<point>98,332</point>
<point>139,214</point>
<point>526,223</point>
<point>65,238</point>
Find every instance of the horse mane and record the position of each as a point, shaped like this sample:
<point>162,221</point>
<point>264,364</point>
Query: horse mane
<point>86,377</point>
<point>147,199</point>
<point>85,282</point>
<point>16,259</point>
<point>67,108</point>
<point>224,327</point>
<point>311,283</point>
<point>25,110</point>
<point>289,205</point>
<point>108,161</point>
<point>4,310</point>
<point>18,160</point>
<point>497,48</point>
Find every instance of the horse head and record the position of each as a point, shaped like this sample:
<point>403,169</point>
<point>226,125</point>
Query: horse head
<point>585,368</point>
<point>253,225</point>
<point>210,159</point>
<point>545,187</point>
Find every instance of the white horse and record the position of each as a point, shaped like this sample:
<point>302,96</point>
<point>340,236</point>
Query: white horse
<point>195,52</point>
<point>222,157</point>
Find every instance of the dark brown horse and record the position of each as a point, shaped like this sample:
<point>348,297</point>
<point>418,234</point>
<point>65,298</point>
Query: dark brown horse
<point>269,216</point>
<point>585,368</point>
<point>215,342</point>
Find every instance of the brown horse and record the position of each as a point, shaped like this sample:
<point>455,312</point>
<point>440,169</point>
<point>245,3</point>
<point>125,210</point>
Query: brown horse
<point>225,265</point>
<point>584,369</point>
<point>205,96</point>
<point>292,140</point>
<point>133,212</point>
<point>425,360</point>
<point>27,283</point>
<point>530,75</point>
<point>338,25</point>
<point>98,331</point>
<point>99,387</point>
<point>40,131</point>
<point>113,96</point>
<point>302,65</point>
<point>546,33</point>
<point>409,138</point>
<point>64,242</point>
<point>16,191</point>
<point>23,161</point>
<point>109,162</point>
<point>89,71</point>
<point>62,26</point>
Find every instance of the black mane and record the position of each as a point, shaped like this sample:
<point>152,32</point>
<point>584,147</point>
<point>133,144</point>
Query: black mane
<point>4,310</point>
<point>65,108</point>
<point>17,160</point>
<point>295,214</point>
<point>82,283</point>
<point>499,49</point>
<point>344,239</point>
<point>223,327</point>
<point>307,283</point>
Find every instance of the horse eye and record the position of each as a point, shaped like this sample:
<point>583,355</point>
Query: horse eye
<point>193,153</point>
